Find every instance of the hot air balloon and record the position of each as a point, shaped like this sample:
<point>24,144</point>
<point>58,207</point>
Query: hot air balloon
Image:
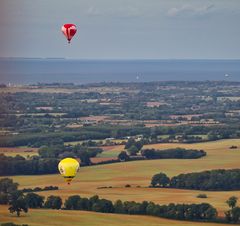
<point>68,168</point>
<point>69,30</point>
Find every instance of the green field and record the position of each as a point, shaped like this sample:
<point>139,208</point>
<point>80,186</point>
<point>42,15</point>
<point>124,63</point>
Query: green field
<point>111,151</point>
<point>104,141</point>
<point>39,217</point>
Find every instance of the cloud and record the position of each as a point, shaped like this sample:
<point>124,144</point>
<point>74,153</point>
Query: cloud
<point>114,12</point>
<point>190,11</point>
<point>93,11</point>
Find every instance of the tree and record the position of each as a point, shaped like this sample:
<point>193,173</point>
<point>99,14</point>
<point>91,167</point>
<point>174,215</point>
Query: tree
<point>84,157</point>
<point>211,213</point>
<point>119,207</point>
<point>34,200</point>
<point>135,208</point>
<point>206,211</point>
<point>123,156</point>
<point>17,203</point>
<point>93,200</point>
<point>175,153</point>
<point>160,179</point>
<point>232,201</point>
<point>83,204</point>
<point>72,203</point>
<point>18,166</point>
<point>235,214</point>
<point>143,207</point>
<point>228,215</point>
<point>129,143</point>
<point>214,180</point>
<point>139,144</point>
<point>150,208</point>
<point>133,150</point>
<point>7,185</point>
<point>51,151</point>
<point>202,196</point>
<point>149,153</point>
<point>3,198</point>
<point>53,202</point>
<point>103,205</point>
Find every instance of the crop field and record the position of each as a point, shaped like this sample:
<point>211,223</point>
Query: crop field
<point>111,151</point>
<point>215,149</point>
<point>34,89</point>
<point>39,217</point>
<point>23,151</point>
<point>91,180</point>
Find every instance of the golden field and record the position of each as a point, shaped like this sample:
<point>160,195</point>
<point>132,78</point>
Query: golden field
<point>139,173</point>
<point>39,217</point>
<point>23,151</point>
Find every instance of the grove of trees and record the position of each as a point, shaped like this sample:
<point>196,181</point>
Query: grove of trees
<point>212,180</point>
<point>203,211</point>
<point>18,165</point>
<point>176,153</point>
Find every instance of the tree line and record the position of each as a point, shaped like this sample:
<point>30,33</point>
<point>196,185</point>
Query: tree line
<point>212,180</point>
<point>47,161</point>
<point>19,202</point>
<point>175,153</point>
<point>84,153</point>
<point>98,132</point>
<point>134,147</point>
<point>18,165</point>
<point>203,211</point>
<point>38,189</point>
<point>49,156</point>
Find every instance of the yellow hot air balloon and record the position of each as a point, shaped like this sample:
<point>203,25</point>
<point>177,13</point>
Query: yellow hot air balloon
<point>68,168</point>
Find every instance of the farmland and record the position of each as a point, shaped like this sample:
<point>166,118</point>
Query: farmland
<point>192,111</point>
<point>70,120</point>
<point>75,218</point>
<point>23,151</point>
<point>139,173</point>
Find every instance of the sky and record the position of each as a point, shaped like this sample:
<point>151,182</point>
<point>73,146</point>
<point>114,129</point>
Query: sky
<point>121,29</point>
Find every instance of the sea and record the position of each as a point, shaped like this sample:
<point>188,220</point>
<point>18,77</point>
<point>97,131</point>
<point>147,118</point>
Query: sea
<point>26,71</point>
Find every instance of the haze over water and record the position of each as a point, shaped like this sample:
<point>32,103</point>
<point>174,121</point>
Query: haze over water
<point>32,71</point>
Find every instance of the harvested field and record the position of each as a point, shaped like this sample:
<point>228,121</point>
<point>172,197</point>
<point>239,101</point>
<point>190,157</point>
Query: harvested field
<point>39,217</point>
<point>139,173</point>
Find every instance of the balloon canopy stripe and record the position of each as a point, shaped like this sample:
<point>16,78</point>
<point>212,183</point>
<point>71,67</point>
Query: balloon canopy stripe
<point>69,30</point>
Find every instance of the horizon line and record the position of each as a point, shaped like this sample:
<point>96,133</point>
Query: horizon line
<point>115,59</point>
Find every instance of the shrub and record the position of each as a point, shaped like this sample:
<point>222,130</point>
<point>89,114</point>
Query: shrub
<point>202,196</point>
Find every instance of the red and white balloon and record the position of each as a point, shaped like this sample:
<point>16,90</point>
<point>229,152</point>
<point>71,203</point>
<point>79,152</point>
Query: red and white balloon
<point>69,30</point>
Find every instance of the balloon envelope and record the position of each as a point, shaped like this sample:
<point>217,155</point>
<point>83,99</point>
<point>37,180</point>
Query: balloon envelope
<point>68,168</point>
<point>69,30</point>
